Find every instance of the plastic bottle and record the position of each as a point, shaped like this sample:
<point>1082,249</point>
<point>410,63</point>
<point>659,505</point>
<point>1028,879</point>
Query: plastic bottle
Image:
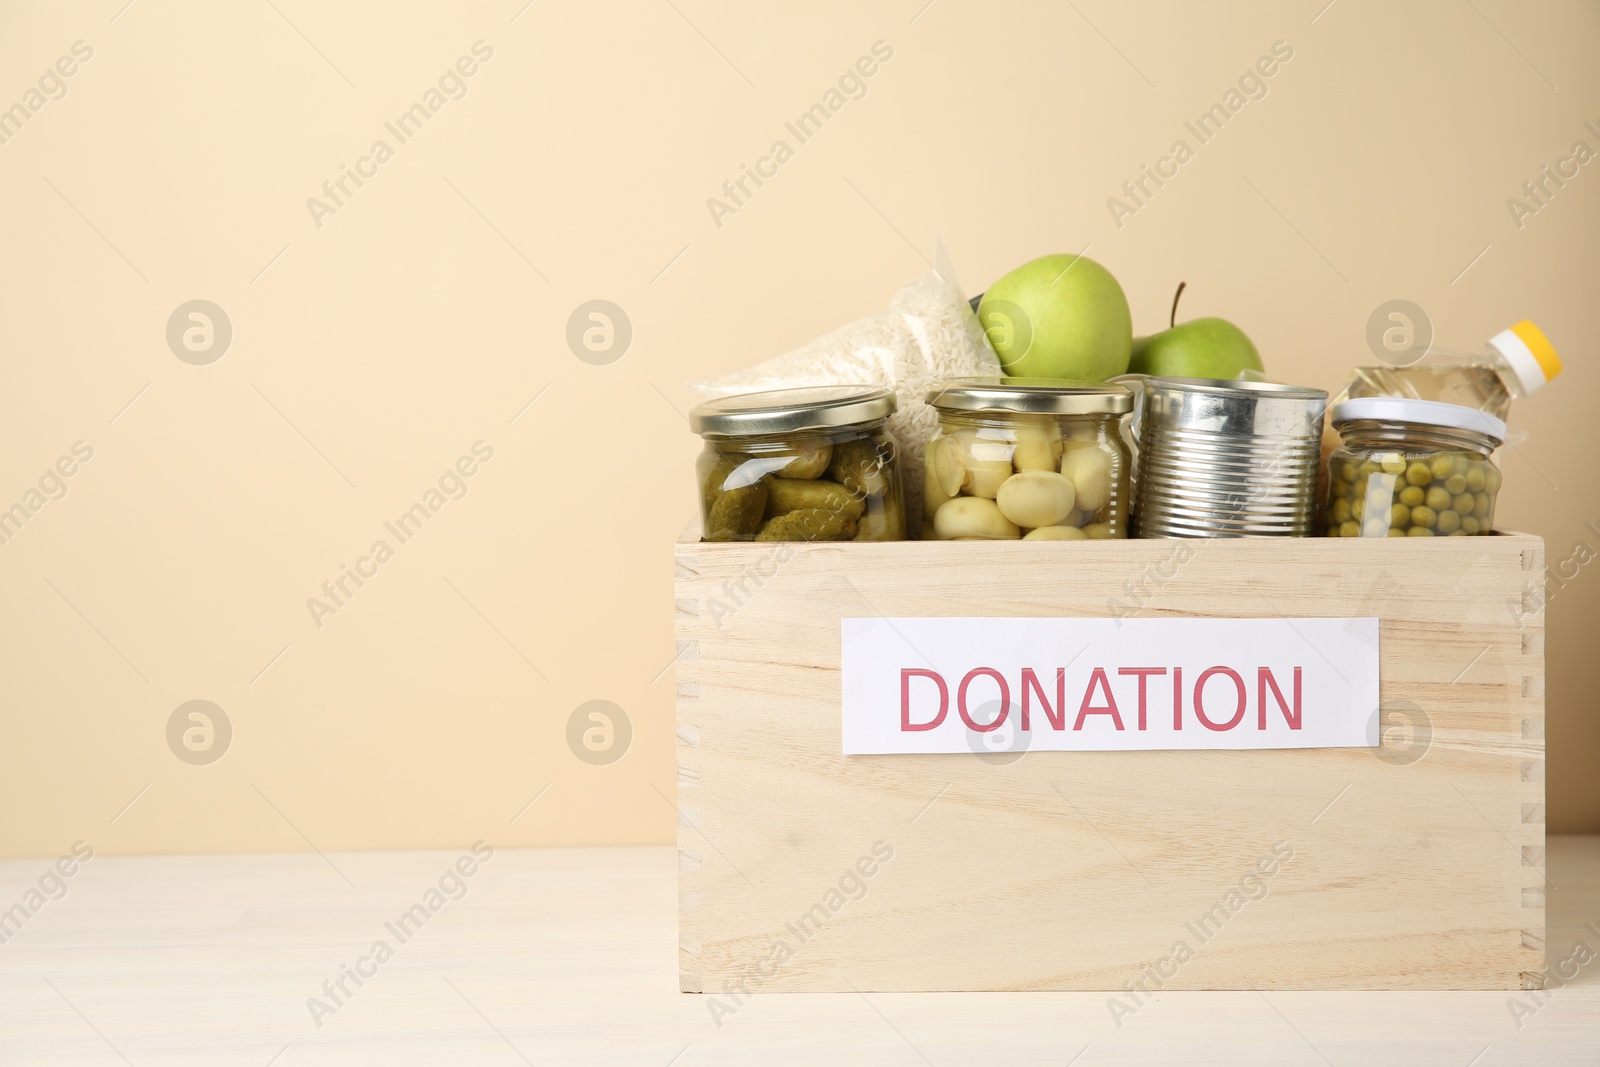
<point>1518,361</point>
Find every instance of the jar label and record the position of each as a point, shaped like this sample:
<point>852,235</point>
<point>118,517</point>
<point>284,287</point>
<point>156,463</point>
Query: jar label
<point>1001,687</point>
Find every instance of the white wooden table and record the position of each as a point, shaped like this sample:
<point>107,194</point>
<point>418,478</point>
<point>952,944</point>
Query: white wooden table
<point>569,956</point>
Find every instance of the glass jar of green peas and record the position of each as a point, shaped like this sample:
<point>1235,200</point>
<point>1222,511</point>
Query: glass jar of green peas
<point>1412,468</point>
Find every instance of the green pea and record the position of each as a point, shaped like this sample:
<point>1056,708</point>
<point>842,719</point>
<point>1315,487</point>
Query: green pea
<point>1480,505</point>
<point>1358,509</point>
<point>1340,510</point>
<point>1474,478</point>
<point>1376,526</point>
<point>1396,532</point>
<point>1399,515</point>
<point>1419,473</point>
<point>1438,498</point>
<point>1412,495</point>
<point>1392,463</point>
<point>1349,529</point>
<point>1456,483</point>
<point>1491,477</point>
<point>1367,469</point>
<point>1448,522</point>
<point>1463,502</point>
<point>1423,516</point>
<point>1419,531</point>
<point>1470,525</point>
<point>1442,466</point>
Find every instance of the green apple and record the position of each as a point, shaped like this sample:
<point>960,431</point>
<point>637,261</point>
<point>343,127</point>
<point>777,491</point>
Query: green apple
<point>1199,348</point>
<point>1060,316</point>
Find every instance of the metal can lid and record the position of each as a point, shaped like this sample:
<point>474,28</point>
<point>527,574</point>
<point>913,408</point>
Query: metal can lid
<point>1419,413</point>
<point>1037,396</point>
<point>820,407</point>
<point>1238,387</point>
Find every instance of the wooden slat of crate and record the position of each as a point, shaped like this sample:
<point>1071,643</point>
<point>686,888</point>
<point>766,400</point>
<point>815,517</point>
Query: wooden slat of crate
<point>1086,870</point>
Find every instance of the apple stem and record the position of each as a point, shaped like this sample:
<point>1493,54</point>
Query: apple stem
<point>1173,320</point>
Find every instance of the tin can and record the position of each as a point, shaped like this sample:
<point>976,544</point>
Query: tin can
<point>1227,458</point>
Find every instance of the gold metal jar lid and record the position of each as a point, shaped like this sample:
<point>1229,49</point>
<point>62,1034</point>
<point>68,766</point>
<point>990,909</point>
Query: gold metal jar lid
<point>822,407</point>
<point>1038,396</point>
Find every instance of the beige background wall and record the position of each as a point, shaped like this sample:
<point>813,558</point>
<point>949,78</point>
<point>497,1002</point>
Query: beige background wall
<point>371,351</point>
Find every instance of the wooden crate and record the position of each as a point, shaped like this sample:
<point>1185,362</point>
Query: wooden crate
<point>1418,865</point>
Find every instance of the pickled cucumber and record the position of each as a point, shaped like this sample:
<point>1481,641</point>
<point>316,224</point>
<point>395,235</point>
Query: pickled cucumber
<point>860,467</point>
<point>808,524</point>
<point>735,514</point>
<point>811,458</point>
<point>787,494</point>
<point>884,519</point>
<point>714,470</point>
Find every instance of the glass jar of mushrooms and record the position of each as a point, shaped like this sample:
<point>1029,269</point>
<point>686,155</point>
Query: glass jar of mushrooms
<point>1035,459</point>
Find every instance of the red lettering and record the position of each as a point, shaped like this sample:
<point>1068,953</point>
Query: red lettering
<point>1098,678</point>
<point>1005,699</point>
<point>1265,679</point>
<point>906,674</point>
<point>1199,703</point>
<point>1177,698</point>
<point>1056,715</point>
<point>1144,674</point>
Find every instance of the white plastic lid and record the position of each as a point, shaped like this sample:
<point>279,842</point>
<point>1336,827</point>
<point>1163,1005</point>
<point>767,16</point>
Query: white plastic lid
<point>1421,413</point>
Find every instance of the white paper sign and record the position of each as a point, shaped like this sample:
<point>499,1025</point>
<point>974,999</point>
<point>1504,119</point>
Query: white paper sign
<point>1011,685</point>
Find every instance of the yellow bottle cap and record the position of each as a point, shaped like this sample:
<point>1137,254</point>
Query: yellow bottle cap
<point>1528,354</point>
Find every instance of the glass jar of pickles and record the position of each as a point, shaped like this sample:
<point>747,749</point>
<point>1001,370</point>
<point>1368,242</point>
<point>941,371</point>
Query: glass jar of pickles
<point>1036,459</point>
<point>812,464</point>
<point>1412,468</point>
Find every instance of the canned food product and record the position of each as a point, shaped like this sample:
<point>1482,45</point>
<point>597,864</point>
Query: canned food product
<point>1227,458</point>
<point>1036,459</point>
<point>811,464</point>
<point>1412,468</point>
